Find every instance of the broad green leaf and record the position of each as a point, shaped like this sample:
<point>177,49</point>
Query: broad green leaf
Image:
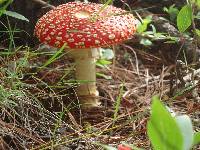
<point>196,138</point>
<point>15,15</point>
<point>184,18</point>
<point>185,124</point>
<point>163,129</point>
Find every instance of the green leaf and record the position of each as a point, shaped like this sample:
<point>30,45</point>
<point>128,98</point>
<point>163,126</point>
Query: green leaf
<point>15,15</point>
<point>54,57</point>
<point>143,26</point>
<point>184,18</point>
<point>196,138</point>
<point>163,129</point>
<point>197,31</point>
<point>185,124</point>
<point>104,62</point>
<point>103,76</point>
<point>145,42</point>
<point>3,5</point>
<point>172,11</point>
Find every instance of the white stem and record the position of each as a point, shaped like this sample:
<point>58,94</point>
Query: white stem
<point>85,61</point>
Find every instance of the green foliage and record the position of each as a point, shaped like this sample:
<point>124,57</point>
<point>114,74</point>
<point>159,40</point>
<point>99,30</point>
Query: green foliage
<point>172,11</point>
<point>6,97</point>
<point>11,88</point>
<point>105,56</point>
<point>104,61</point>
<point>15,15</point>
<point>196,138</point>
<point>144,24</point>
<point>5,4</point>
<point>196,2</point>
<point>184,18</point>
<point>142,30</point>
<point>162,128</point>
<point>106,2</point>
<point>55,56</point>
<point>2,1</point>
<point>145,42</point>
<point>197,16</point>
<point>168,132</point>
<point>107,77</point>
<point>197,31</point>
<point>117,104</point>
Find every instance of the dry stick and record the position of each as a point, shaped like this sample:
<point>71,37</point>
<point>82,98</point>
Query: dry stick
<point>44,4</point>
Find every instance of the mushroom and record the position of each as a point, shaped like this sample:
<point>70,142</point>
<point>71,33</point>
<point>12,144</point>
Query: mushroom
<point>84,28</point>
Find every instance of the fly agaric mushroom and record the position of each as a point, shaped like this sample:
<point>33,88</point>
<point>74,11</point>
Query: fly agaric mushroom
<point>83,28</point>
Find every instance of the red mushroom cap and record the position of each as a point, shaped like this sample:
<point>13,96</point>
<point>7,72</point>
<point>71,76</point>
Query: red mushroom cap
<point>84,25</point>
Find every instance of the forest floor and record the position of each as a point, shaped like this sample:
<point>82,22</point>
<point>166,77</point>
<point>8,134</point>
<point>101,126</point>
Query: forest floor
<point>39,110</point>
<point>39,107</point>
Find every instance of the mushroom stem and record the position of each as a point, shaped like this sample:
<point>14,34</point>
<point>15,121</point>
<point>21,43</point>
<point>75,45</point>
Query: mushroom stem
<point>85,61</point>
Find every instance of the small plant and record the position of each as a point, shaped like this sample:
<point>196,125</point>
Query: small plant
<point>5,4</point>
<point>172,11</point>
<point>105,56</point>
<point>148,33</point>
<point>170,132</point>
